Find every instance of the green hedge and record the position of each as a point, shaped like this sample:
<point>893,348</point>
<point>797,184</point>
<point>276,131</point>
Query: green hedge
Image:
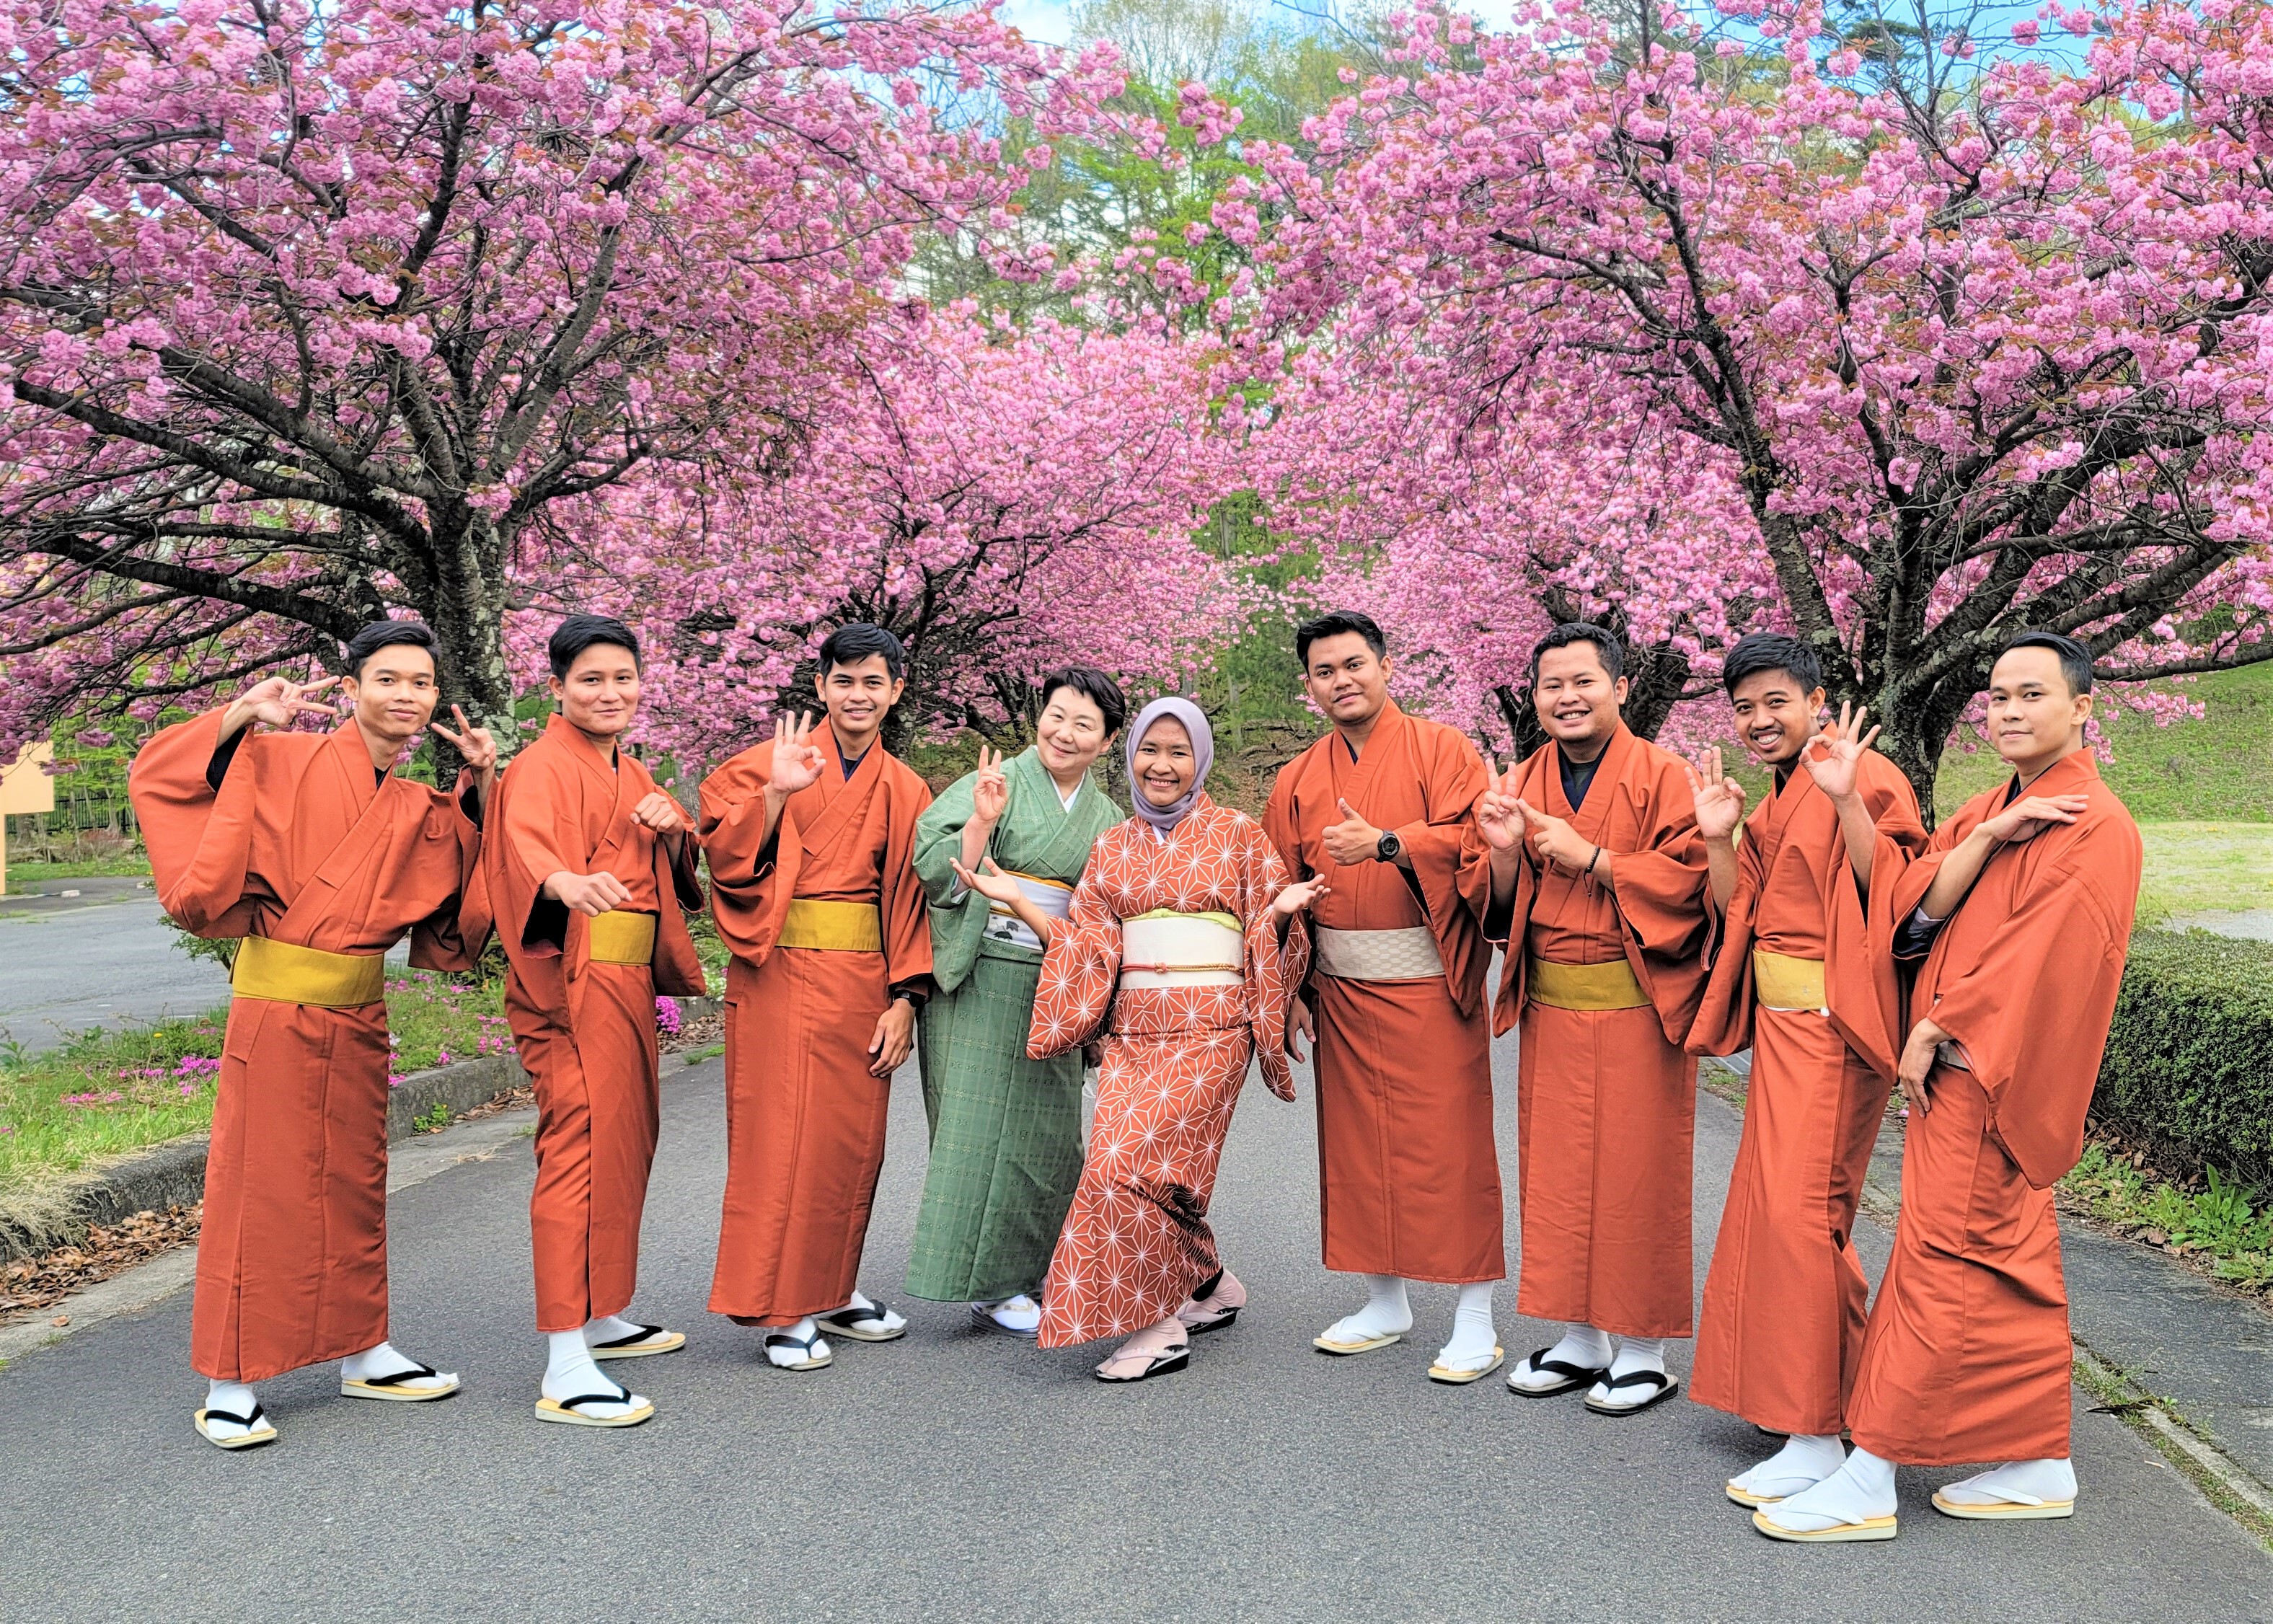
<point>2189,1065</point>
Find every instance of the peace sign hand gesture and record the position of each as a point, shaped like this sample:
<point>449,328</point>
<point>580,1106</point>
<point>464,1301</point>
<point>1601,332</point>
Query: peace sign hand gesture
<point>1834,757</point>
<point>276,701</point>
<point>474,745</point>
<point>797,762</point>
<point>1498,813</point>
<point>1719,799</point>
<point>990,796</point>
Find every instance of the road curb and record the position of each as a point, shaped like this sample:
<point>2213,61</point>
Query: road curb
<point>2132,1401</point>
<point>174,1174</point>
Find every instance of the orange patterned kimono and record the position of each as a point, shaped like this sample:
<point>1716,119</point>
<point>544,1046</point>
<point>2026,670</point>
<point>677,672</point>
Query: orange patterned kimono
<point>1136,1240</point>
<point>297,837</point>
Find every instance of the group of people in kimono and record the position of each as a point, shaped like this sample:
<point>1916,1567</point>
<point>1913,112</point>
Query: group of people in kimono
<point>1019,929</point>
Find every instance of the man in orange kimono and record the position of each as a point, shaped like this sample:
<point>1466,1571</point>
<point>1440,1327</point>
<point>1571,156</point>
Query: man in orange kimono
<point>1598,888</point>
<point>811,840</point>
<point>590,868</point>
<point>2021,911</point>
<point>1408,1171</point>
<point>1794,981</point>
<point>310,848</point>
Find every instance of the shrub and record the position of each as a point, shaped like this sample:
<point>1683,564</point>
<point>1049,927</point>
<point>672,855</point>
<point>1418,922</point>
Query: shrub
<point>2189,1063</point>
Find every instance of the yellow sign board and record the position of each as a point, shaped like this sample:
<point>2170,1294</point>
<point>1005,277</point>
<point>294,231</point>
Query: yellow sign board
<point>24,788</point>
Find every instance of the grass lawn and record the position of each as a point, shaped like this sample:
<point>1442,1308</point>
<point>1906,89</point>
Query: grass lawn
<point>23,876</point>
<point>106,1092</point>
<point>2205,868</point>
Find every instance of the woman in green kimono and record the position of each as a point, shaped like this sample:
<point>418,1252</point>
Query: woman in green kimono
<point>1006,1131</point>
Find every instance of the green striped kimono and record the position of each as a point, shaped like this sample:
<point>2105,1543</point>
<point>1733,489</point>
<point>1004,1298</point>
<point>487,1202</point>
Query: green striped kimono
<point>1006,1148</point>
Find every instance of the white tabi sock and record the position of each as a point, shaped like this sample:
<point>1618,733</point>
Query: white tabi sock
<point>787,1358</point>
<point>1014,1313</point>
<point>1386,1314</point>
<point>1857,1493</point>
<point>1474,1337</point>
<point>230,1398</point>
<point>1582,1345</point>
<point>377,1363</point>
<point>1639,1353</point>
<point>2016,1482</point>
<point>570,1372</point>
<point>608,1328</point>
<point>889,1318</point>
<point>1803,1462</point>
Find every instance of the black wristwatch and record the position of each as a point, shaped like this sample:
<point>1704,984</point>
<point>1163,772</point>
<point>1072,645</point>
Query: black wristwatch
<point>1389,847</point>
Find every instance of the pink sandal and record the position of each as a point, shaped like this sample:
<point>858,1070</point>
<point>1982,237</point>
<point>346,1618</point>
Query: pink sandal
<point>1214,1305</point>
<point>1150,1345</point>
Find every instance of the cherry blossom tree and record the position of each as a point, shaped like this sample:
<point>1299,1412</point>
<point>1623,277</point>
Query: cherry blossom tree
<point>316,310</point>
<point>1975,362</point>
<point>1003,500</point>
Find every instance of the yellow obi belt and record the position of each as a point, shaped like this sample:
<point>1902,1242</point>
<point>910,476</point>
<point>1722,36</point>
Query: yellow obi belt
<point>285,973</point>
<point>1609,986</point>
<point>833,926</point>
<point>624,938</point>
<point>1053,897</point>
<point>1168,949</point>
<point>1782,982</point>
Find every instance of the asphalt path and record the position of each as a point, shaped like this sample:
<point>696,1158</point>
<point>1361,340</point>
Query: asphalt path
<point>69,963</point>
<point>953,1475</point>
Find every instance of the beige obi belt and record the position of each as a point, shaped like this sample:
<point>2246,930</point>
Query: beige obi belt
<point>832,926</point>
<point>1168,949</point>
<point>1405,955</point>
<point>286,973</point>
<point>1609,986</point>
<point>623,937</point>
<point>1054,897</point>
<point>1782,982</point>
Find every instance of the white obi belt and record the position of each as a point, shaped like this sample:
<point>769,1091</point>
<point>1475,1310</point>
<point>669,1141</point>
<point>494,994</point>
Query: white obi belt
<point>1053,897</point>
<point>1405,955</point>
<point>1168,949</point>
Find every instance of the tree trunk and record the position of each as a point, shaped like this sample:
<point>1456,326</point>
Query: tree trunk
<point>468,616</point>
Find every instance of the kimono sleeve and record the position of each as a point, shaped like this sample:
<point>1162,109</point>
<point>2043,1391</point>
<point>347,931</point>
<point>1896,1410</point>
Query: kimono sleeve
<point>2032,1015</point>
<point>1276,965</point>
<point>1074,999</point>
<point>958,917</point>
<point>1451,879</point>
<point>752,878</point>
<point>200,835</point>
<point>452,938</point>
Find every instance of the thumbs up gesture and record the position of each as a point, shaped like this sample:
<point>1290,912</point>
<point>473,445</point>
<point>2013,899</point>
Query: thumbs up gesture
<point>1352,840</point>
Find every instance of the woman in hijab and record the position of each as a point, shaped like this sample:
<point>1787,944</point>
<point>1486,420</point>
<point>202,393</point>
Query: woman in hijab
<point>1180,948</point>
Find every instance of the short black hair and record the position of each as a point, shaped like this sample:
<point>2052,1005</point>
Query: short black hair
<point>1607,646</point>
<point>1772,651</point>
<point>580,632</point>
<point>2075,658</point>
<point>856,641</point>
<point>1091,684</point>
<point>384,635</point>
<point>1338,623</point>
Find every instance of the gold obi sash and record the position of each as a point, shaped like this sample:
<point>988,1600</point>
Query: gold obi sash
<point>833,926</point>
<point>1782,982</point>
<point>1405,955</point>
<point>1168,949</point>
<point>1609,986</point>
<point>1054,897</point>
<point>286,973</point>
<point>624,938</point>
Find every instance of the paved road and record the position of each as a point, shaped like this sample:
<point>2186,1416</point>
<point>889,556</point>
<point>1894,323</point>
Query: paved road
<point>65,967</point>
<point>954,1475</point>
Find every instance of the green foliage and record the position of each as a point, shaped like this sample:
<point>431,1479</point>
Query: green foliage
<point>2189,1062</point>
<point>2218,1222</point>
